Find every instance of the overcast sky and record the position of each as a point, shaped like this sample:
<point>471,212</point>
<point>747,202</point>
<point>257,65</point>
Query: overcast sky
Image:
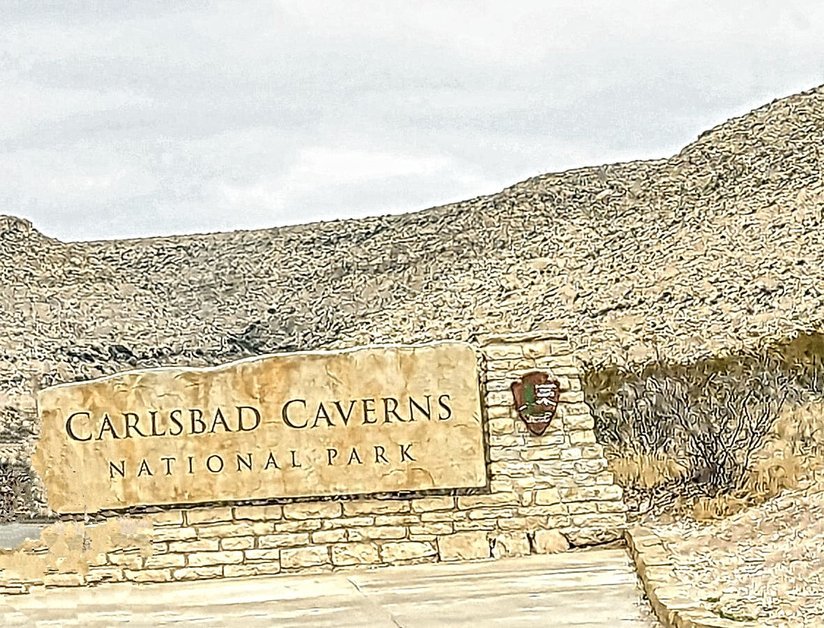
<point>141,118</point>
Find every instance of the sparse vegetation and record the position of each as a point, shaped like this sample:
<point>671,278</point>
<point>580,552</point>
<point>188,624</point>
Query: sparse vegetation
<point>15,487</point>
<point>646,470</point>
<point>716,436</point>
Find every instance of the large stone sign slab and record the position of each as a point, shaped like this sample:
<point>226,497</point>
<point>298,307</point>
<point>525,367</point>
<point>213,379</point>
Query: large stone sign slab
<point>293,425</point>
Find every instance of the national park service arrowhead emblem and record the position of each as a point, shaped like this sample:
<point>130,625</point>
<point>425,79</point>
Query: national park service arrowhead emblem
<point>536,398</point>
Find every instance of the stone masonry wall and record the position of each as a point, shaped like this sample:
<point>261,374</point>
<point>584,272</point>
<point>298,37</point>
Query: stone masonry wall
<point>543,495</point>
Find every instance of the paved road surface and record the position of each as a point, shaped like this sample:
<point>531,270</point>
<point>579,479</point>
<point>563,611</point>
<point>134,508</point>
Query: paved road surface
<point>13,534</point>
<point>587,588</point>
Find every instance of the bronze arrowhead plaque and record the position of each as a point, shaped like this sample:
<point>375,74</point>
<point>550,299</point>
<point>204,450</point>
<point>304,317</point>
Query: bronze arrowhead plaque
<point>536,399</point>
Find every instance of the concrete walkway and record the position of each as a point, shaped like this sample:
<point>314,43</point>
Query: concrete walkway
<point>13,534</point>
<point>587,588</point>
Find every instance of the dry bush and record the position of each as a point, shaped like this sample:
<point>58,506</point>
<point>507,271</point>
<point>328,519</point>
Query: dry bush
<point>793,448</point>
<point>707,508</point>
<point>15,491</point>
<point>718,434</point>
<point>802,430</point>
<point>646,470</point>
<point>774,469</point>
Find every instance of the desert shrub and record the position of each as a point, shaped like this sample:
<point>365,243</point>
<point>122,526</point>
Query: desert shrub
<point>801,430</point>
<point>791,451</point>
<point>15,487</point>
<point>725,505</point>
<point>769,474</point>
<point>774,468</point>
<point>723,431</point>
<point>646,470</point>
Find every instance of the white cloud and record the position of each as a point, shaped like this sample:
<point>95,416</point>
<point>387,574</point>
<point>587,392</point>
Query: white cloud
<point>342,165</point>
<point>325,167</point>
<point>127,119</point>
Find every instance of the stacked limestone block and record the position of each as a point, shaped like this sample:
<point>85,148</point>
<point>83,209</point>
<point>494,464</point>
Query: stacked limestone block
<point>544,494</point>
<point>560,478</point>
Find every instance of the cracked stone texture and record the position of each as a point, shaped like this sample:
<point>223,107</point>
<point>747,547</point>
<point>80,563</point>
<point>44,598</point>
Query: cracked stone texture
<point>716,247</point>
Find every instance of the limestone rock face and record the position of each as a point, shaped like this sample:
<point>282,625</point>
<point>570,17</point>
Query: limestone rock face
<point>550,542</point>
<point>510,544</point>
<point>464,546</point>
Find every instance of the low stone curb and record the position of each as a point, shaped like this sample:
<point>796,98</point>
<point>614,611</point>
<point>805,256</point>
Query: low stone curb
<point>666,596</point>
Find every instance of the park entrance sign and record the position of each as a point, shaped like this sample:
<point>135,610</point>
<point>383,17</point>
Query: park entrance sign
<point>372,420</point>
<point>445,451</point>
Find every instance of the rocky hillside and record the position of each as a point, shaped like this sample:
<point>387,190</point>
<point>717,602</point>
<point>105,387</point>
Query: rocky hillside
<point>718,246</point>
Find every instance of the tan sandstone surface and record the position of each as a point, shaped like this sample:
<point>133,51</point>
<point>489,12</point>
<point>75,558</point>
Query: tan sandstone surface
<point>293,425</point>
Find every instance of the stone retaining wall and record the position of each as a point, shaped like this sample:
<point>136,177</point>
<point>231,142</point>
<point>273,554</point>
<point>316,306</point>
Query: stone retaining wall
<point>544,494</point>
<point>656,570</point>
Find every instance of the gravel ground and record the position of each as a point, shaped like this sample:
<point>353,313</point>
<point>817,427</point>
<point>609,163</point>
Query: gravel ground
<point>764,564</point>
